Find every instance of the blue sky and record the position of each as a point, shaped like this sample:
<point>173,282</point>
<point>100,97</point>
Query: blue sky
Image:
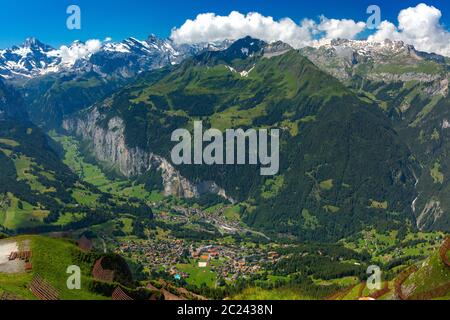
<point>46,19</point>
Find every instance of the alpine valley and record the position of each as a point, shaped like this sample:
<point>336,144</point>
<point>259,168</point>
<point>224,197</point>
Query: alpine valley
<point>87,179</point>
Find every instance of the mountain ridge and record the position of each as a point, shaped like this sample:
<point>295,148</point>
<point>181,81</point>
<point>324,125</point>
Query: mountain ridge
<point>34,59</point>
<point>252,80</point>
<point>326,131</point>
<point>412,89</point>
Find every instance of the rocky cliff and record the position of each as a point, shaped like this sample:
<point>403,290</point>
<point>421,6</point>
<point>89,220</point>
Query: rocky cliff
<point>109,146</point>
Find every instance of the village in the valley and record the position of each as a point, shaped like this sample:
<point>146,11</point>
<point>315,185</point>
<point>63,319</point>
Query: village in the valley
<point>171,255</point>
<point>190,259</point>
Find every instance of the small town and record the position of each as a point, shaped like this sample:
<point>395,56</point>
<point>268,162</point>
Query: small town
<point>227,261</point>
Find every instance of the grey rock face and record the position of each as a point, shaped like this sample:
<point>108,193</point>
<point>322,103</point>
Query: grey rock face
<point>430,214</point>
<point>109,146</point>
<point>389,61</point>
<point>276,49</point>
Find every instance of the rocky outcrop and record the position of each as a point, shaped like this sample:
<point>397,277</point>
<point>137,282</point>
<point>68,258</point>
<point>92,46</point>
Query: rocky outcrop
<point>439,87</point>
<point>109,145</point>
<point>430,214</point>
<point>404,77</point>
<point>388,61</point>
<point>276,49</point>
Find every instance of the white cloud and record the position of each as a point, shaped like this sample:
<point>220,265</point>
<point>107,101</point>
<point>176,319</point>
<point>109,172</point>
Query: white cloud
<point>419,26</point>
<point>209,27</point>
<point>343,29</point>
<point>386,30</point>
<point>79,50</point>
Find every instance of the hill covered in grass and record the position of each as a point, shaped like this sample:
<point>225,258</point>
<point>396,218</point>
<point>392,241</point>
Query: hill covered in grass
<point>38,191</point>
<point>50,260</point>
<point>428,279</point>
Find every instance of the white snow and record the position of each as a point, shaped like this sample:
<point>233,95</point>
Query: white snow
<point>120,47</point>
<point>243,74</point>
<point>24,62</point>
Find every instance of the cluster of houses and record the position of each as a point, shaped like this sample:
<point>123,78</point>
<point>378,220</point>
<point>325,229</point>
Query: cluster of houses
<point>227,261</point>
<point>236,261</point>
<point>154,253</point>
<point>205,254</point>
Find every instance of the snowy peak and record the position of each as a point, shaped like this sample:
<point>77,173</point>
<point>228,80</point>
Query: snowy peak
<point>375,50</point>
<point>388,61</point>
<point>35,45</point>
<point>30,59</point>
<point>125,59</point>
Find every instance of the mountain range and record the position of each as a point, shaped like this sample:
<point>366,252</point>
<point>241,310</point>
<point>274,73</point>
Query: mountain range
<point>126,58</point>
<point>57,82</point>
<point>343,166</point>
<point>412,89</point>
<point>85,153</point>
<point>364,125</point>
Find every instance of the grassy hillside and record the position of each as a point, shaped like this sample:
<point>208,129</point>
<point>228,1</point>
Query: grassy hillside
<point>432,274</point>
<point>51,258</point>
<point>34,181</point>
<point>40,193</point>
<point>428,279</point>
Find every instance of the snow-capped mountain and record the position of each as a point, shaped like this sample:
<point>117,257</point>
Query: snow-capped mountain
<point>32,58</point>
<point>126,59</point>
<point>376,50</point>
<point>132,56</point>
